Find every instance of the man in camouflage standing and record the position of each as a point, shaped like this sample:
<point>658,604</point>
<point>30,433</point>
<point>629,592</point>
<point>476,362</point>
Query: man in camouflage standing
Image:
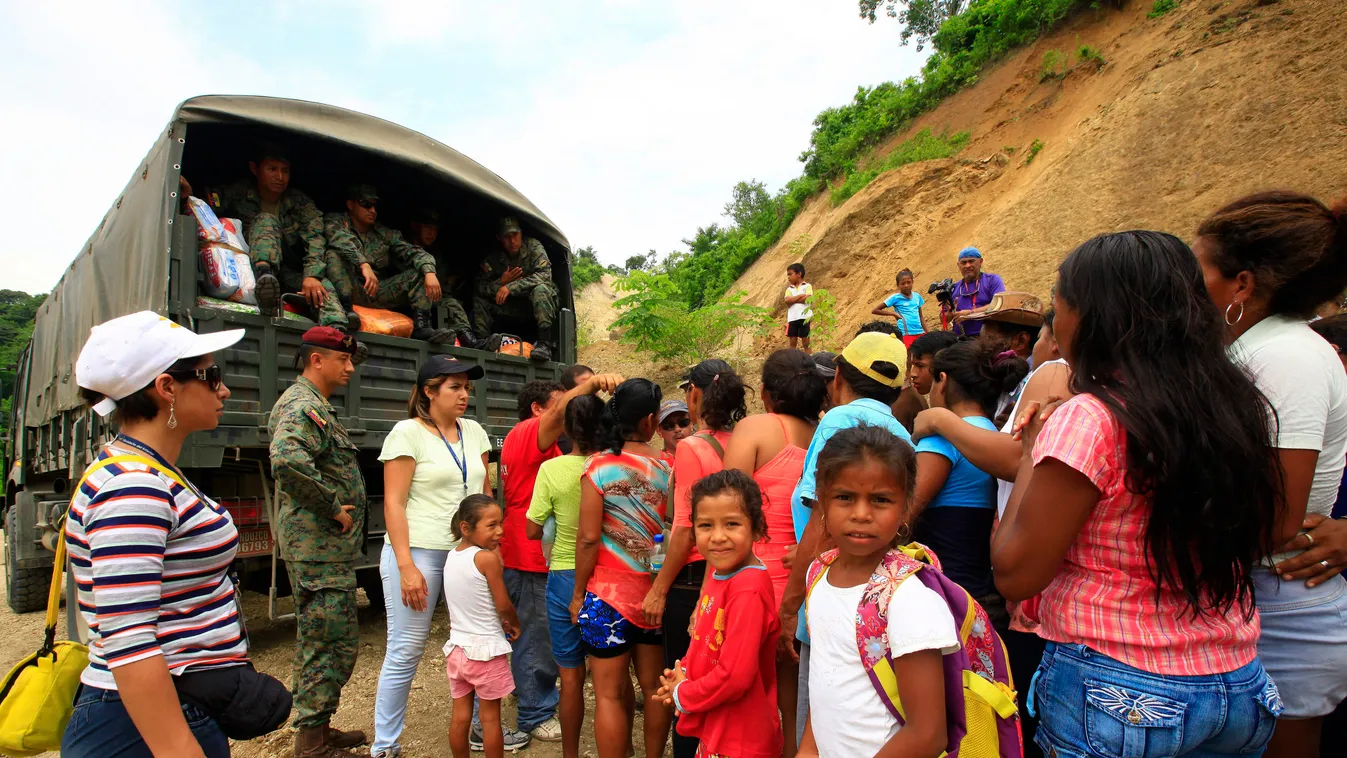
<point>392,272</point>
<point>516,281</point>
<point>320,531</point>
<point>278,220</point>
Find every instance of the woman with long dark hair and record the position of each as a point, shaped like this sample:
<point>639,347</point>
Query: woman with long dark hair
<point>1270,260</point>
<point>624,496</point>
<point>1142,506</point>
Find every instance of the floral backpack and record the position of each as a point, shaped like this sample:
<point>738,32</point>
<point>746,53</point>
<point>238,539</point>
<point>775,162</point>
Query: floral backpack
<point>980,712</point>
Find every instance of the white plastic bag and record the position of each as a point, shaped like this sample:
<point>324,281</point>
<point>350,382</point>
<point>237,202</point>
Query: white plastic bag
<point>221,278</point>
<point>208,226</point>
<point>233,234</point>
<point>243,264</point>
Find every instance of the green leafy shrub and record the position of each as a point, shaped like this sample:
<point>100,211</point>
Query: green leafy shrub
<point>1034,148</point>
<point>1090,55</point>
<point>1161,7</point>
<point>923,146</point>
<point>823,325</point>
<point>585,268</point>
<point>658,321</point>
<point>1053,66</point>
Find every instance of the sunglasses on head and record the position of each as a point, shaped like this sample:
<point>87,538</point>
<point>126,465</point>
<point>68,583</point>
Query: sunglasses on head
<point>368,204</point>
<point>681,423</point>
<point>213,376</point>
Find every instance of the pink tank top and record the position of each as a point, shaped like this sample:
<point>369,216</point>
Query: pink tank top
<point>777,479</point>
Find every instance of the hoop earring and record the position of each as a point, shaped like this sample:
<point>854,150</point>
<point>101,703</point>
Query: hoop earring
<point>904,534</point>
<point>1228,322</point>
<point>172,418</point>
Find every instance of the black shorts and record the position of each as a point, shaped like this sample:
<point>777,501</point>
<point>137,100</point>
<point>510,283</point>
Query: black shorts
<point>797,328</point>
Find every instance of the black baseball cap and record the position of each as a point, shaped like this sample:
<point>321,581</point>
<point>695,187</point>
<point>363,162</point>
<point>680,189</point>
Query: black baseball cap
<point>443,365</point>
<point>704,373</point>
<point>826,363</point>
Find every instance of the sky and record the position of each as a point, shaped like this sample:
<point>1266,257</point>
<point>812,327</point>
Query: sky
<point>626,122</point>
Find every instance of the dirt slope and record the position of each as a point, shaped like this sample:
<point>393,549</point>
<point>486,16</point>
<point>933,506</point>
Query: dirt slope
<point>1209,102</point>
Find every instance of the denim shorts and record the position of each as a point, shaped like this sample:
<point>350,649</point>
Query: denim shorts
<point>1090,705</point>
<point>100,727</point>
<point>1304,641</point>
<point>605,633</point>
<point>565,634</point>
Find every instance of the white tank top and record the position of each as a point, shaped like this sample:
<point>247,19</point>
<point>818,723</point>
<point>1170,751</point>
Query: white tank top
<point>474,624</point>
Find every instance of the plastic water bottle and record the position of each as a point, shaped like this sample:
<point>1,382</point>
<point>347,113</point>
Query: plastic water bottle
<point>657,555</point>
<point>549,537</point>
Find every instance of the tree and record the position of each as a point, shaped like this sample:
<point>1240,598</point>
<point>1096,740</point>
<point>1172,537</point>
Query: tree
<point>751,207</point>
<point>920,18</point>
<point>641,262</point>
<point>17,310</point>
<point>585,268</point>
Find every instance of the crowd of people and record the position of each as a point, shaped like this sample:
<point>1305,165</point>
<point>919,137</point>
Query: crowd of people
<point>1100,525</point>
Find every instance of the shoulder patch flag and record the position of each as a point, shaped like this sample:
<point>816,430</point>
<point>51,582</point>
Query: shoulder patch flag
<point>317,418</point>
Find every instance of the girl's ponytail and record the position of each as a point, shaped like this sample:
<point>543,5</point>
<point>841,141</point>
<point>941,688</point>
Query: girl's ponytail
<point>633,401</point>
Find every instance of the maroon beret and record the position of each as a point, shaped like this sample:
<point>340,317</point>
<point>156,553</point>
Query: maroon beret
<point>329,338</point>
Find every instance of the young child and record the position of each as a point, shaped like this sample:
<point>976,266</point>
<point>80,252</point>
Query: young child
<point>905,306</point>
<point>799,313</point>
<point>484,623</point>
<point>865,480</point>
<point>726,691</point>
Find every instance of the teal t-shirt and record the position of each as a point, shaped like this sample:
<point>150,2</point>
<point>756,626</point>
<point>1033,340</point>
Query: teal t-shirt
<point>907,307</point>
<point>967,486</point>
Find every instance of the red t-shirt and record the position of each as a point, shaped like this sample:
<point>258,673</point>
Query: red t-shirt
<point>729,698</point>
<point>520,459</point>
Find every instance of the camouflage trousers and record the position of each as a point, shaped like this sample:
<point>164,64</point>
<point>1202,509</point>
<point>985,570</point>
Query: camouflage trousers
<point>402,290</point>
<point>328,637</point>
<point>265,246</point>
<point>539,305</point>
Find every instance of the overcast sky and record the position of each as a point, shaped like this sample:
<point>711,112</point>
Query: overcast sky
<point>626,122</point>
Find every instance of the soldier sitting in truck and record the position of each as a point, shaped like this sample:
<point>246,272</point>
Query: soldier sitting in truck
<point>284,230</point>
<point>392,272</point>
<point>516,283</point>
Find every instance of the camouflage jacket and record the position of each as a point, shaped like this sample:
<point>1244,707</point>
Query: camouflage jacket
<point>382,248</point>
<point>314,463</point>
<point>532,258</point>
<point>301,222</point>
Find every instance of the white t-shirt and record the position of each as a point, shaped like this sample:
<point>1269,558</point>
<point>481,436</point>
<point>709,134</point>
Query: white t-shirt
<point>1003,487</point>
<point>800,311</point>
<point>437,484</point>
<point>849,719</point>
<point>1302,377</point>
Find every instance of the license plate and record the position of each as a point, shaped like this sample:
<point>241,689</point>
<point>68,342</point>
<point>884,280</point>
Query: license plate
<point>255,541</point>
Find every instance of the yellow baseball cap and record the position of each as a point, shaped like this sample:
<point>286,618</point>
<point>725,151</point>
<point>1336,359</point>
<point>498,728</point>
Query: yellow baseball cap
<point>875,347</point>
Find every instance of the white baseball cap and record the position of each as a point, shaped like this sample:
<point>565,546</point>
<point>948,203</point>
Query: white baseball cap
<point>122,356</point>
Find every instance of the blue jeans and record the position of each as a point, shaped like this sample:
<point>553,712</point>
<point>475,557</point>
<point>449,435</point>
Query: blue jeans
<point>534,669</point>
<point>1092,706</point>
<point>100,727</point>
<point>564,633</point>
<point>408,631</point>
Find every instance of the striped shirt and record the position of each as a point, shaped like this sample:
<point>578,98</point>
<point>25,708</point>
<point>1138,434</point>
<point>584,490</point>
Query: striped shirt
<point>1103,596</point>
<point>151,559</point>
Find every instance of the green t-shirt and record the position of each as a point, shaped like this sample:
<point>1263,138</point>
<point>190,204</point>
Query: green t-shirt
<point>557,493</point>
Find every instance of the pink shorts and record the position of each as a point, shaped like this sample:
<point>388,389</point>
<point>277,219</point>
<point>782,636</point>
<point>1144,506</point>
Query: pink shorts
<point>491,680</point>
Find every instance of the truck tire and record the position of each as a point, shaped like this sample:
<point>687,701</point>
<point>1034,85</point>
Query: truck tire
<point>373,585</point>
<point>25,589</point>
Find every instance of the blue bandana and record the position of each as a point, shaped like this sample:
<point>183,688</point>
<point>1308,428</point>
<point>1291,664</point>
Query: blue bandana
<point>969,252</point>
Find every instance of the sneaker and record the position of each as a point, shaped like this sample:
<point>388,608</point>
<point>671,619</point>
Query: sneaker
<point>515,740</point>
<point>548,731</point>
<point>391,752</point>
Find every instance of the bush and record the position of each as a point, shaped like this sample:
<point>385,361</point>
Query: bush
<point>1088,54</point>
<point>823,325</point>
<point>1054,66</point>
<point>1161,7</point>
<point>1034,148</point>
<point>658,321</point>
<point>921,147</point>
<point>585,268</point>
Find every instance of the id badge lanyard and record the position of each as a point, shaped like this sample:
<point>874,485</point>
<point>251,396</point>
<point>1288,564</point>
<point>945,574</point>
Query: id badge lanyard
<point>461,462</point>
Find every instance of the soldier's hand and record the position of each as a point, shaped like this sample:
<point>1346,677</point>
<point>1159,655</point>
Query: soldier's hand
<point>184,186</point>
<point>344,518</point>
<point>603,382</point>
<point>511,274</point>
<point>314,292</point>
<point>433,290</point>
<point>501,295</point>
<point>371,279</point>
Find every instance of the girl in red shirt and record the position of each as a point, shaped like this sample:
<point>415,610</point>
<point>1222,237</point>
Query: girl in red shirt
<point>725,691</point>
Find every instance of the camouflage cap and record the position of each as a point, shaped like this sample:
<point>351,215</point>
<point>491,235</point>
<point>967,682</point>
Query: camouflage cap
<point>362,192</point>
<point>508,225</point>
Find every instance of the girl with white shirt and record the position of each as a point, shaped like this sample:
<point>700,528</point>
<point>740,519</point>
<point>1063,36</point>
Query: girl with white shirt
<point>1269,260</point>
<point>432,461</point>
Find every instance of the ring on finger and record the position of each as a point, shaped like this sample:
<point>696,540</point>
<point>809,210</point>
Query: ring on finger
<point>1324,563</point>
<point>1309,538</point>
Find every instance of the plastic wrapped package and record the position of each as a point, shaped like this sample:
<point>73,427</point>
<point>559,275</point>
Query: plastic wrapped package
<point>220,269</point>
<point>209,228</point>
<point>379,321</point>
<point>243,263</point>
<point>233,233</point>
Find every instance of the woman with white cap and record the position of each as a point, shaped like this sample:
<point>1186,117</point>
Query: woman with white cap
<point>149,552</point>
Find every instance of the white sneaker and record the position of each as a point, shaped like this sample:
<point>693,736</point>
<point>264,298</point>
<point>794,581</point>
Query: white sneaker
<point>548,731</point>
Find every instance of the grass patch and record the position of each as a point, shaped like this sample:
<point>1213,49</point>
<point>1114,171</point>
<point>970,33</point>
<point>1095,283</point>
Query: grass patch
<point>923,146</point>
<point>1090,55</point>
<point>1034,148</point>
<point>1161,7</point>
<point>1053,66</point>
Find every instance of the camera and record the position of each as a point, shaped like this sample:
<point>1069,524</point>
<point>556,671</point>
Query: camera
<point>943,291</point>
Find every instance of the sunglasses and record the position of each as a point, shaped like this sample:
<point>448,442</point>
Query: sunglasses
<point>368,204</point>
<point>682,423</point>
<point>213,376</point>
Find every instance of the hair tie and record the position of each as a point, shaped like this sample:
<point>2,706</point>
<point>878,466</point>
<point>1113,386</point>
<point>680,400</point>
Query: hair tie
<point>715,378</point>
<point>1005,355</point>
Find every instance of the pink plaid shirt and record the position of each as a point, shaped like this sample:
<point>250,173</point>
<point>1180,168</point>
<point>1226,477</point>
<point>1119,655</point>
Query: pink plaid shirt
<point>1103,596</point>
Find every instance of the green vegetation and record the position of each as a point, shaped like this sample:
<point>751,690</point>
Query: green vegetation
<point>657,319</point>
<point>17,310</point>
<point>585,268</point>
<point>923,146</point>
<point>1161,7</point>
<point>920,18</point>
<point>1053,67</point>
<point>1034,147</point>
<point>1087,54</point>
<point>823,327</point>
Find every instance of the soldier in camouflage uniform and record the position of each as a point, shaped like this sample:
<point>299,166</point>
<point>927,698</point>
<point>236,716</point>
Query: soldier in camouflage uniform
<point>392,272</point>
<point>320,532</point>
<point>516,282</point>
<point>284,231</point>
<point>425,234</point>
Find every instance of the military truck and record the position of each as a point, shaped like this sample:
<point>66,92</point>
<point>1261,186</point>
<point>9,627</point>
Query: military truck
<point>144,256</point>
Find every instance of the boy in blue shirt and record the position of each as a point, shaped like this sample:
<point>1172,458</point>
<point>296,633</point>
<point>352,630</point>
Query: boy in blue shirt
<point>905,306</point>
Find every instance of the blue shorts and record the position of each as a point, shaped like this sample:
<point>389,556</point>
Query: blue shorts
<point>1304,641</point>
<point>606,633</point>
<point>565,635</point>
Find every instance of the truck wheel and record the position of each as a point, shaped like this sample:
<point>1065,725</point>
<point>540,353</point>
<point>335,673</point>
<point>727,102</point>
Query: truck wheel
<point>373,585</point>
<point>26,589</point>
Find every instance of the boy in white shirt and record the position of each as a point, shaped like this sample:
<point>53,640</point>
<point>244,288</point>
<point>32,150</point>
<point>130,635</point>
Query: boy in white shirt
<point>798,312</point>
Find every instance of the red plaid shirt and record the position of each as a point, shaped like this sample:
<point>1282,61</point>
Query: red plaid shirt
<point>1103,596</point>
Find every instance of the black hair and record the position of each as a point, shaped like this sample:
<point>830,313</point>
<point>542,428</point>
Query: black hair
<point>792,381</point>
<point>1333,329</point>
<point>797,268</point>
<point>632,402</point>
<point>139,405</point>
<point>866,387</point>
<point>584,425</point>
<point>1197,448</point>
<point>568,377</point>
<point>1049,316</point>
<point>1011,331</point>
<point>866,442</point>
<point>930,343</point>
<point>1295,246</point>
<point>537,391</point>
<point>880,327</point>
<point>975,371</point>
<point>723,394</point>
<point>903,273</point>
<point>470,512</point>
<point>269,151</point>
<point>733,480</point>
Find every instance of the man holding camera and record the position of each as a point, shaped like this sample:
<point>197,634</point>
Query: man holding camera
<point>973,293</point>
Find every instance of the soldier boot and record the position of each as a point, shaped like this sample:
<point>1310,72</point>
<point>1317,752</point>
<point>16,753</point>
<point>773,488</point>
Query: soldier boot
<point>352,318</point>
<point>542,350</point>
<point>312,742</point>
<point>467,339</point>
<point>343,740</point>
<point>424,331</point>
<point>267,290</point>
